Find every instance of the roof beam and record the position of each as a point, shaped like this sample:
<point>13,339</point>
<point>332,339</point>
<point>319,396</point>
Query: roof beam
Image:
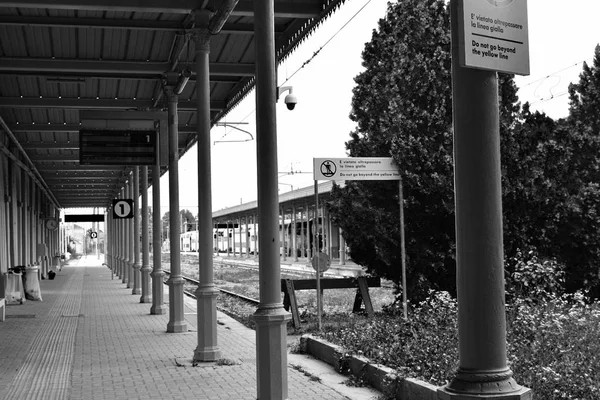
<point>149,6</point>
<point>79,168</point>
<point>100,23</point>
<point>55,158</point>
<point>51,146</point>
<point>130,24</point>
<point>304,9</point>
<point>68,67</point>
<point>67,183</point>
<point>67,128</point>
<point>245,8</point>
<point>96,104</point>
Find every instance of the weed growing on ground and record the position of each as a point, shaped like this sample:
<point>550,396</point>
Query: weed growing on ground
<point>552,337</point>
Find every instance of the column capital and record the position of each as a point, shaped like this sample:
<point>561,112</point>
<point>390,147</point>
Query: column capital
<point>201,38</point>
<point>170,94</point>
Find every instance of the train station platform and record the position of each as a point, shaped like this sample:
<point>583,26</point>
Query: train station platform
<point>90,338</point>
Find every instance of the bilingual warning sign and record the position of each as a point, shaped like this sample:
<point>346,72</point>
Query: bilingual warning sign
<point>494,35</point>
<point>355,169</point>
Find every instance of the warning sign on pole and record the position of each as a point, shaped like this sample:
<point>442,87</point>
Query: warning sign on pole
<point>494,35</point>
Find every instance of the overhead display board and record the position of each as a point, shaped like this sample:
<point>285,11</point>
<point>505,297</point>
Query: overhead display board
<point>84,217</point>
<point>127,121</point>
<point>117,147</point>
<point>493,35</point>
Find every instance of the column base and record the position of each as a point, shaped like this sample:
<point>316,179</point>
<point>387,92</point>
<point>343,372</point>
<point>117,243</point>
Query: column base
<point>177,327</point>
<point>129,275</point>
<point>145,298</point>
<point>158,306</point>
<point>497,385</point>
<point>177,323</point>
<point>271,351</point>
<point>207,349</point>
<point>146,292</point>
<point>158,310</point>
<point>124,272</point>
<point>207,354</point>
<point>522,394</point>
<point>136,269</point>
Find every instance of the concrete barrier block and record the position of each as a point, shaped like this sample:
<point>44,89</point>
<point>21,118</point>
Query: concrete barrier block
<point>382,378</point>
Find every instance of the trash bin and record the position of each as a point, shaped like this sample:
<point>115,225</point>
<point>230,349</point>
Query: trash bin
<point>32,283</point>
<point>56,262</point>
<point>14,288</point>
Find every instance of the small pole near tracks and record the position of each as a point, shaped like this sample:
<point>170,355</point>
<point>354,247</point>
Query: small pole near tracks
<point>316,254</point>
<point>402,247</point>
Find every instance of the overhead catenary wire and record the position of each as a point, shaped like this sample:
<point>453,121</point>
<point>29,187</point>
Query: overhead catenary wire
<point>327,42</point>
<point>305,62</point>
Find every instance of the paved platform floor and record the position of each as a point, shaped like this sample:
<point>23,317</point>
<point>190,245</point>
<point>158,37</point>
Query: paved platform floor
<point>90,338</point>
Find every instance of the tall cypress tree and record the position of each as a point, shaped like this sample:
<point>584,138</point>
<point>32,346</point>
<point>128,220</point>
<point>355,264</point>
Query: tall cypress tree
<point>402,107</point>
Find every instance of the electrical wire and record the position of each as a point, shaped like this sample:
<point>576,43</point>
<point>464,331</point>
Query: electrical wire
<point>305,63</point>
<point>327,42</point>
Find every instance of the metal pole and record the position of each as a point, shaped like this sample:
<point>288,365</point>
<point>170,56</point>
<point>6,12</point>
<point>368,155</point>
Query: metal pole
<point>271,319</point>
<point>483,371</point>
<point>145,269</point>
<point>126,240</point>
<point>402,247</point>
<point>316,254</point>
<point>137,265</point>
<point>206,294</point>
<point>158,306</point>
<point>177,323</point>
<point>131,235</point>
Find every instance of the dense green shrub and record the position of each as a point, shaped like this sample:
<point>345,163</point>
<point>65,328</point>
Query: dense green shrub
<point>553,346</point>
<point>552,336</point>
<point>423,347</point>
<point>533,279</point>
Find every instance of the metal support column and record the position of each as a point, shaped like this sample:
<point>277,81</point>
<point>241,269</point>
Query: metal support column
<point>206,294</point>
<point>342,247</point>
<point>483,371</point>
<point>240,233</point>
<point>176,322</point>
<point>293,231</point>
<point>125,241</point>
<point>158,306</point>
<point>282,235</point>
<point>137,265</point>
<point>130,236</point>
<point>145,269</point>
<point>270,317</point>
<point>255,235</point>
<point>121,241</point>
<point>247,237</point>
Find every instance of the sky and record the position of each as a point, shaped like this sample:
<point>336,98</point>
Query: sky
<point>561,36</point>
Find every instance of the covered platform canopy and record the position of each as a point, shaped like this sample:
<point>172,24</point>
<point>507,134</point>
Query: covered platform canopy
<point>76,71</point>
<point>61,57</point>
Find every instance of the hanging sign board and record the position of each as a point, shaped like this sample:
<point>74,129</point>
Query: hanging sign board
<point>123,208</point>
<point>493,35</point>
<point>355,169</point>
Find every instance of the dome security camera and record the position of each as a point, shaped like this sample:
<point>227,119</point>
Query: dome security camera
<point>290,101</point>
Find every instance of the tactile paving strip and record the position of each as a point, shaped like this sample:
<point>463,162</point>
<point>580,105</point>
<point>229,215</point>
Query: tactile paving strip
<point>45,373</point>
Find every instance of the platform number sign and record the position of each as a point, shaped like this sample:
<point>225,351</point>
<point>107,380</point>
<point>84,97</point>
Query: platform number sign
<point>122,208</point>
<point>94,235</point>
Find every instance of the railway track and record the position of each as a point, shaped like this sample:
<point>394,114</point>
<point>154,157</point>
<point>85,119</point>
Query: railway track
<point>224,291</point>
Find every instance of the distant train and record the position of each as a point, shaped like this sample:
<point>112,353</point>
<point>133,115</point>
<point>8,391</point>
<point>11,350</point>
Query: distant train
<point>245,239</point>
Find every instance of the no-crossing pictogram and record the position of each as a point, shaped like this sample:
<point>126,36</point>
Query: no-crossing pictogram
<point>500,3</point>
<point>328,168</point>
